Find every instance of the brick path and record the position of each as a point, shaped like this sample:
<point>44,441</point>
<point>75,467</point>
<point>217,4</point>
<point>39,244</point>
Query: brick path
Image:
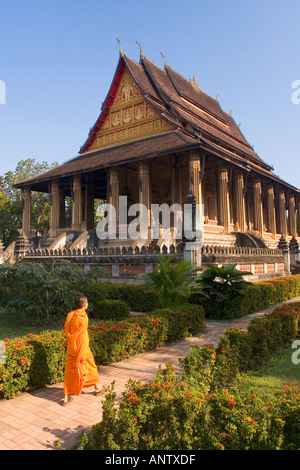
<point>34,421</point>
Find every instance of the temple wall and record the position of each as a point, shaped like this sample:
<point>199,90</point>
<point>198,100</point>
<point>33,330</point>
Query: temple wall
<point>125,264</point>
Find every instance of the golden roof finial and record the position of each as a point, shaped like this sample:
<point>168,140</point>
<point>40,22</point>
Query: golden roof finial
<point>118,40</point>
<point>194,82</point>
<point>141,52</point>
<point>164,58</point>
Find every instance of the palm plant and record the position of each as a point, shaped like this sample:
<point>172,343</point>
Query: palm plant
<point>222,283</point>
<point>170,281</point>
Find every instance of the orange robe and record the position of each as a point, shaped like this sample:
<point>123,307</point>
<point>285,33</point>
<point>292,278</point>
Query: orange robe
<point>80,368</point>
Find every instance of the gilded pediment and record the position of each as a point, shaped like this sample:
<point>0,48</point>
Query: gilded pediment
<point>130,117</point>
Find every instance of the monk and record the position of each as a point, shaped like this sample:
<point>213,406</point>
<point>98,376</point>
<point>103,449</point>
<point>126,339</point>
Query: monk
<point>80,368</point>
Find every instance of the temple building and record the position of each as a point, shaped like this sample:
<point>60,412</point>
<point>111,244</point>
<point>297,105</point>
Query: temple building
<point>158,139</point>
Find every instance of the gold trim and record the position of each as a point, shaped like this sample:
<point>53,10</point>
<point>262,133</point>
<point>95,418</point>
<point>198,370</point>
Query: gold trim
<point>130,117</point>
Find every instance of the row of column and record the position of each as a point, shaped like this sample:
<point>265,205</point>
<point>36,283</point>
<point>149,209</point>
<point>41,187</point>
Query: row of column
<point>82,206</point>
<point>143,176</point>
<point>83,200</point>
<point>277,204</point>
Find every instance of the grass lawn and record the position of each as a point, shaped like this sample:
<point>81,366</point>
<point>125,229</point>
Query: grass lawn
<point>12,326</point>
<point>279,372</point>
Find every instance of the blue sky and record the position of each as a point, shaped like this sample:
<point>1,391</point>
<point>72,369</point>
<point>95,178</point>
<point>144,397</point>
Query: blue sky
<point>58,57</point>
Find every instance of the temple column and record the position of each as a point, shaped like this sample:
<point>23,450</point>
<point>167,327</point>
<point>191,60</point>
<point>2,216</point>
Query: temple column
<point>223,198</point>
<point>257,207</point>
<point>298,215</point>
<point>55,209</point>
<point>113,197</point>
<point>239,201</point>
<point>282,220</point>
<point>271,211</point>
<point>176,216</point>
<point>194,175</point>
<point>144,187</point>
<point>62,208</point>
<point>292,215</point>
<point>89,203</point>
<point>174,183</point>
<point>26,224</point>
<point>77,204</point>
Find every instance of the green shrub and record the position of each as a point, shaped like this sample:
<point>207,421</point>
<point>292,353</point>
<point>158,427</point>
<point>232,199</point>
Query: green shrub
<point>221,283</point>
<point>170,280</point>
<point>289,412</point>
<point>40,291</point>
<point>33,361</point>
<point>256,296</point>
<point>136,296</point>
<point>170,413</point>
<point>157,415</point>
<point>111,310</point>
<point>114,341</point>
<point>201,410</point>
<point>183,320</point>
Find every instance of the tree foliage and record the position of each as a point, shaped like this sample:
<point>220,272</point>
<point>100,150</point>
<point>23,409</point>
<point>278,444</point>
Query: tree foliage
<point>41,290</point>
<point>11,201</point>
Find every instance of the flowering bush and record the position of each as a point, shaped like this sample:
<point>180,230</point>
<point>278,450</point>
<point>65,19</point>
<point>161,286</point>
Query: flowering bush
<point>31,362</point>
<point>157,415</point>
<point>170,413</point>
<point>200,409</point>
<point>183,320</point>
<point>34,361</point>
<point>115,341</point>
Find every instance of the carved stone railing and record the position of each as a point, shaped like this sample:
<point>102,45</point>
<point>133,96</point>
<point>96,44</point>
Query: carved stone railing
<point>209,252</point>
<point>239,251</point>
<point>112,251</point>
<point>127,262</point>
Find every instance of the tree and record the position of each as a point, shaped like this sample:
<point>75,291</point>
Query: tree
<point>41,291</point>
<point>11,200</point>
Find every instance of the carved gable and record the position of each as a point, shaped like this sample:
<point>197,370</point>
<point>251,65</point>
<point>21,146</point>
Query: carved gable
<point>130,117</point>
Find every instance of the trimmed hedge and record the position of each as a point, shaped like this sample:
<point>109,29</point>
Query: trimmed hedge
<point>201,410</point>
<point>111,310</point>
<point>136,296</point>
<point>258,296</point>
<point>184,320</point>
<point>265,336</point>
<point>34,361</point>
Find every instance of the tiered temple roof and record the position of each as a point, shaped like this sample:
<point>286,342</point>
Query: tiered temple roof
<point>185,118</point>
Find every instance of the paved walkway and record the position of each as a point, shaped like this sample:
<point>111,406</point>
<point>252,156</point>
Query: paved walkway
<point>34,421</point>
